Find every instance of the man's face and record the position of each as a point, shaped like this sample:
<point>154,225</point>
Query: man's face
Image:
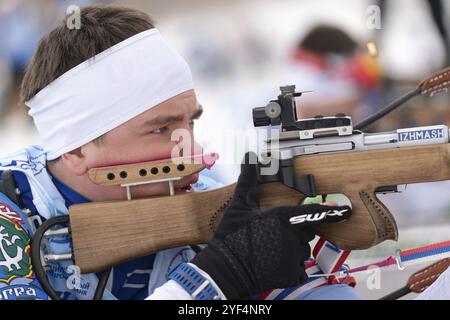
<point>147,137</point>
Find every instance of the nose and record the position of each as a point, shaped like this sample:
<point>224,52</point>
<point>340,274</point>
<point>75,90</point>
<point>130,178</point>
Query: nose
<point>191,148</point>
<point>186,142</point>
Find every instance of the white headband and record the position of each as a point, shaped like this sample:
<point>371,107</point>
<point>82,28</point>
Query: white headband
<point>102,93</point>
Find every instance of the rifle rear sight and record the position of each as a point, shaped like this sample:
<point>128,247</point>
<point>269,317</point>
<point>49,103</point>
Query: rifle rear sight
<point>283,111</point>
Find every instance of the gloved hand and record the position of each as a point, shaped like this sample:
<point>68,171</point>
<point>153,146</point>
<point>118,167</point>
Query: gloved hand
<point>255,250</point>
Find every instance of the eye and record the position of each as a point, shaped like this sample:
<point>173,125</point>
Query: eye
<point>159,130</point>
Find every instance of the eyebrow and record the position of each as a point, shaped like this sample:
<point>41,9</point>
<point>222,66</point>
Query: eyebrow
<point>161,120</point>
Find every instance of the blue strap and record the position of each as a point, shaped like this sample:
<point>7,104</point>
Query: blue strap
<point>192,281</point>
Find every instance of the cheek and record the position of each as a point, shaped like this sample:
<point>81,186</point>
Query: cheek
<point>137,151</point>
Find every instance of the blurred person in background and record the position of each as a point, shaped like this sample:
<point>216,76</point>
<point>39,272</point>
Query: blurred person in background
<point>22,24</point>
<point>5,86</point>
<point>342,76</point>
<point>437,12</point>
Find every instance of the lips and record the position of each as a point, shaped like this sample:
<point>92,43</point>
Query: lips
<point>185,189</point>
<point>185,184</point>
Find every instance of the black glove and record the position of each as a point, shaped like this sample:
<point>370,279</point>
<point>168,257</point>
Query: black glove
<point>255,250</point>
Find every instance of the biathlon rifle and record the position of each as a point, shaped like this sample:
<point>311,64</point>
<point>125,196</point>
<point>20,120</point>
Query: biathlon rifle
<point>317,156</point>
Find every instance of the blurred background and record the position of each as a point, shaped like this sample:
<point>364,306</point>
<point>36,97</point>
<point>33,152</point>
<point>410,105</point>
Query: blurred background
<point>354,55</point>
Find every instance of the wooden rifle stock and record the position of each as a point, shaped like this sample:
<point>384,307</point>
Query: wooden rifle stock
<point>109,233</point>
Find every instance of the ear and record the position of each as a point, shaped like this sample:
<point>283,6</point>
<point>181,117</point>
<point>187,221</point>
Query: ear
<point>75,161</point>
